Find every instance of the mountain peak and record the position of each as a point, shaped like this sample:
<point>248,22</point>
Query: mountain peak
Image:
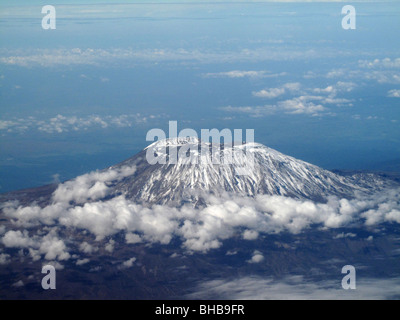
<point>177,141</point>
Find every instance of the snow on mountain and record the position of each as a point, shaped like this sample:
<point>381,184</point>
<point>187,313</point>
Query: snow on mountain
<point>252,169</point>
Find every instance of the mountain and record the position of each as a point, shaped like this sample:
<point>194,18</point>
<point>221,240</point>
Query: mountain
<point>252,169</point>
<point>266,171</point>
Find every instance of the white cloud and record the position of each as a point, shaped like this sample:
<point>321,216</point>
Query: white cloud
<point>345,235</point>
<point>387,63</point>
<point>17,239</point>
<point>328,95</point>
<point>250,235</point>
<point>295,288</point>
<point>345,86</point>
<point>131,57</point>
<point>110,246</point>
<point>128,263</point>
<point>307,103</point>
<point>276,92</point>
<point>336,73</point>
<point>61,124</point>
<point>53,248</point>
<point>269,93</point>
<point>253,111</point>
<point>380,70</point>
<point>231,253</point>
<point>256,258</point>
<point>81,262</point>
<point>132,238</point>
<point>87,248</point>
<point>328,89</point>
<point>382,76</point>
<point>301,105</point>
<point>90,186</point>
<point>237,74</point>
<point>395,93</point>
<point>75,56</point>
<point>49,245</point>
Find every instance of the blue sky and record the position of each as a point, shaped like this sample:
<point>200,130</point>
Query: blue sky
<point>84,95</point>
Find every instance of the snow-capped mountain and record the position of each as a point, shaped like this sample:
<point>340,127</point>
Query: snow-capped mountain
<point>253,169</point>
<point>243,170</point>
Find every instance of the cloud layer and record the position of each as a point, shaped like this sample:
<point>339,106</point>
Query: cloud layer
<point>129,57</point>
<point>62,124</point>
<point>295,287</point>
<point>243,74</point>
<point>77,206</point>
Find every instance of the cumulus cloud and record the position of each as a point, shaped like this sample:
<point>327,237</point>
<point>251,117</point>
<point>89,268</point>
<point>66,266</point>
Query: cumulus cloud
<point>269,93</point>
<point>250,235</point>
<point>328,89</point>
<point>49,245</point>
<point>87,248</point>
<point>276,92</point>
<point>53,248</point>
<point>17,239</point>
<point>132,238</point>
<point>90,186</point>
<point>395,93</point>
<point>110,246</point>
<point>256,258</point>
<point>301,105</point>
<point>128,263</point>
